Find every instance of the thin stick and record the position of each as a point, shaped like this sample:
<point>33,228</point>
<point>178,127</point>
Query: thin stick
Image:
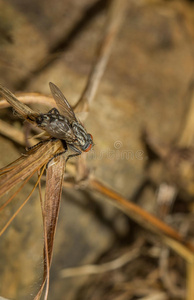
<point>30,98</point>
<point>145,219</point>
<point>14,134</point>
<point>112,26</point>
<point>165,275</point>
<point>102,268</point>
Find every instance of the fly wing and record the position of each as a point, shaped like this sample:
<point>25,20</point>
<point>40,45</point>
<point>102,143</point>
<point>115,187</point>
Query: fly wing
<point>62,103</point>
<point>22,109</point>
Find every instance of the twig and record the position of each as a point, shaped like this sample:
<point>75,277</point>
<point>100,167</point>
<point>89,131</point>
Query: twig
<point>31,98</point>
<point>14,134</point>
<point>174,239</point>
<point>174,290</point>
<point>112,26</point>
<point>97,269</point>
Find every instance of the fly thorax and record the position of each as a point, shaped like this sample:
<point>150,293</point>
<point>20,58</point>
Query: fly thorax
<point>80,134</point>
<point>42,120</point>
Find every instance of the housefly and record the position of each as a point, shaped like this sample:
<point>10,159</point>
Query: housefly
<point>59,123</point>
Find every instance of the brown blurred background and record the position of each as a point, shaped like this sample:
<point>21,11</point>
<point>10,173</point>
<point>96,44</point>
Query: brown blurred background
<point>144,86</point>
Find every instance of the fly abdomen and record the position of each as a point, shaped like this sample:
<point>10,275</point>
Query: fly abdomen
<point>49,119</point>
<point>54,124</point>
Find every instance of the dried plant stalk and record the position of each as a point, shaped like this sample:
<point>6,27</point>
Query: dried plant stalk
<point>22,109</point>
<point>139,215</point>
<point>50,211</point>
<point>31,98</point>
<point>112,26</point>
<point>14,134</point>
<point>119,262</point>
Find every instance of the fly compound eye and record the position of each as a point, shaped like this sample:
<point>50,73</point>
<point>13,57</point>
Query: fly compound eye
<point>89,143</point>
<point>91,137</point>
<point>88,148</point>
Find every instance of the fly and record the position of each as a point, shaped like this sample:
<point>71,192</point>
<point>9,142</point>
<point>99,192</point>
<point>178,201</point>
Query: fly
<point>59,123</point>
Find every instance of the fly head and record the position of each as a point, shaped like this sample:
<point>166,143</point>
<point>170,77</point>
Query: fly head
<point>84,139</point>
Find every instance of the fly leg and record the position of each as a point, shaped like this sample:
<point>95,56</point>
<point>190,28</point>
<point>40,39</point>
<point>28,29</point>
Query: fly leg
<point>58,154</point>
<point>78,152</point>
<point>40,143</point>
<point>54,111</point>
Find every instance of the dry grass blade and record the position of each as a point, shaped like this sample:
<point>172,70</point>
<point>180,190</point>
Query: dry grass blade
<point>50,211</point>
<point>54,180</point>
